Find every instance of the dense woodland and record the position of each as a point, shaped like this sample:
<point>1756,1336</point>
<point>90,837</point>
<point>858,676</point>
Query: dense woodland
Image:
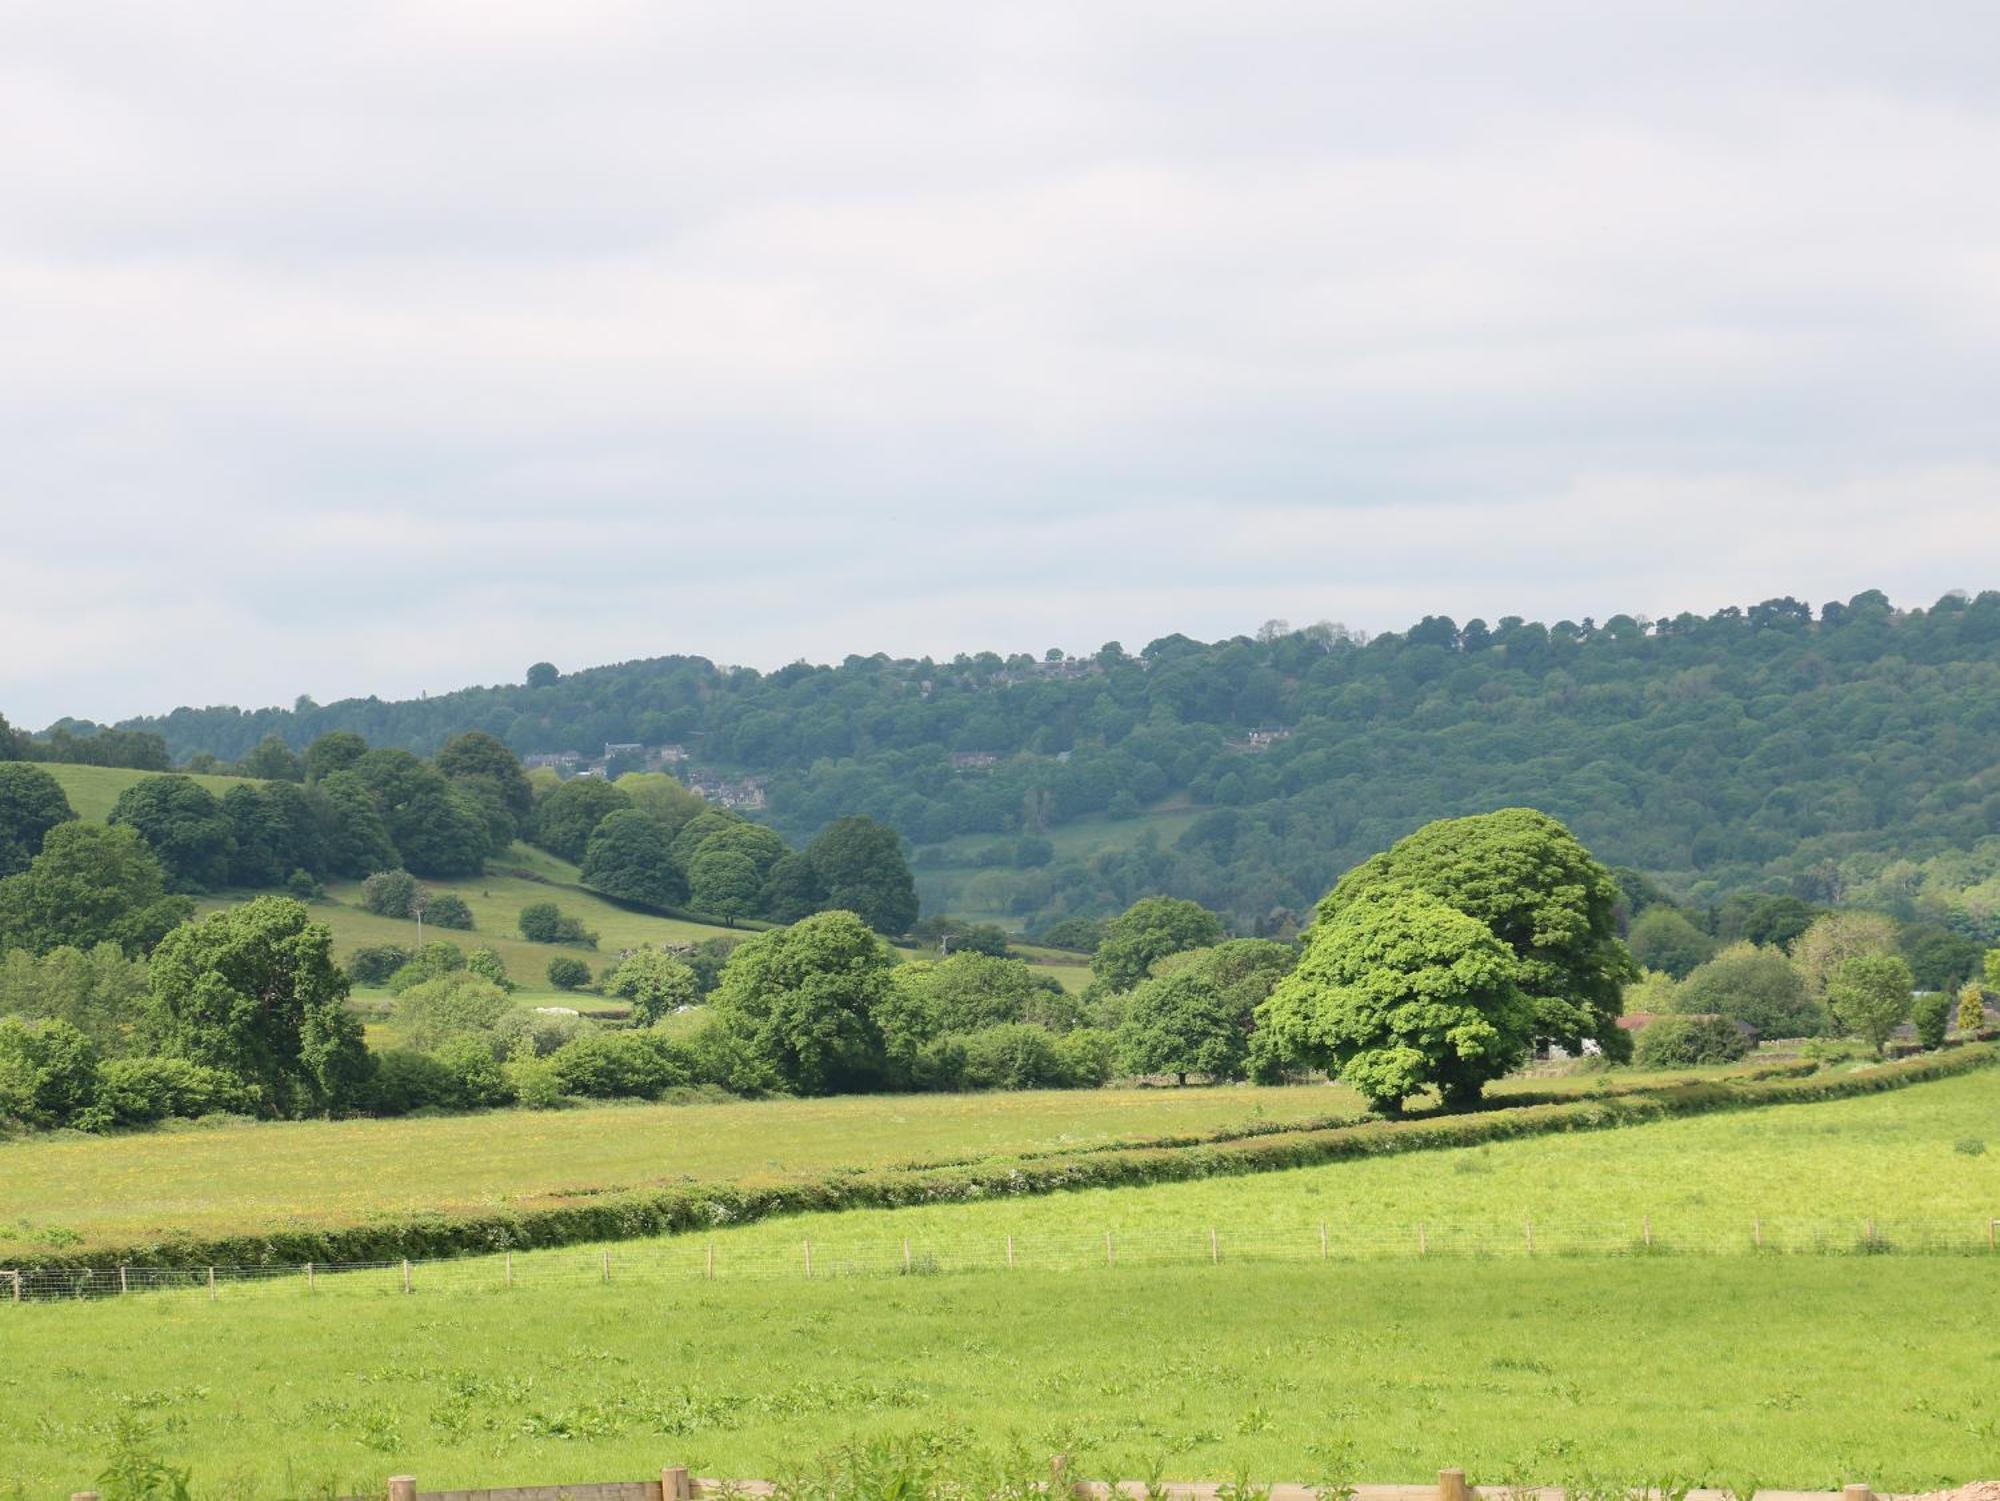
<point>1775,747</point>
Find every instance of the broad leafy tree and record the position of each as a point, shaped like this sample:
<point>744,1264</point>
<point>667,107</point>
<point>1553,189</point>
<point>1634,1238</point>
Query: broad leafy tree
<point>338,750</point>
<point>565,819</point>
<point>722,882</point>
<point>254,991</point>
<point>1662,938</point>
<point>31,803</point>
<point>801,1003</point>
<point>630,856</point>
<point>272,760</point>
<point>1397,992</point>
<point>662,797</point>
<point>356,837</point>
<point>90,884</point>
<point>185,826</point>
<point>478,758</point>
<point>1755,986</point>
<point>860,868</point>
<point>1870,996</point>
<point>438,830</point>
<point>1538,891</point>
<point>1832,940</point>
<point>1149,930</point>
<point>656,984</point>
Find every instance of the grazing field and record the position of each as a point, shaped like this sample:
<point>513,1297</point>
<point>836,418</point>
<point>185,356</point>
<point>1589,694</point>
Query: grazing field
<point>1776,1372</point>
<point>953,880</point>
<point>93,790</point>
<point>62,1190</point>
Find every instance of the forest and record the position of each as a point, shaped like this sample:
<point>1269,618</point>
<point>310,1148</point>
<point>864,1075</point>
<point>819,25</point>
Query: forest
<point>1825,753</point>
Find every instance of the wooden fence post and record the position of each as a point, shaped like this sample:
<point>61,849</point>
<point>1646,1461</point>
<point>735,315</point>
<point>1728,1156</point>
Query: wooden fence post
<point>1110,1251</point>
<point>402,1488</point>
<point>1647,1231</point>
<point>1528,1229</point>
<point>809,1258</point>
<point>309,1276</point>
<point>607,1266</point>
<point>1322,1240</point>
<point>17,1285</point>
<point>406,1274</point>
<point>121,1280</point>
<point>1423,1240</point>
<point>1010,1264</point>
<point>1992,1235</point>
<point>1214,1250</point>
<point>906,1255</point>
<point>211,1284</point>
<point>1452,1487</point>
<point>674,1483</point>
<point>1856,1493</point>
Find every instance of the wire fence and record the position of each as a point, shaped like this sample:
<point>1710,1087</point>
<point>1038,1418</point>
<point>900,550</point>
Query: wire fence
<point>695,1259</point>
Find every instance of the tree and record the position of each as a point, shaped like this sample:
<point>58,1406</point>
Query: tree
<point>439,830</point>
<point>802,1003</point>
<point>1971,1008</point>
<point>48,1072</point>
<point>31,803</point>
<point>689,837</point>
<point>1148,930</point>
<point>390,893</point>
<point>723,883</point>
<point>447,909</point>
<point>1398,991</point>
<point>355,838</point>
<point>253,991</point>
<point>14,745</point>
<point>656,983</point>
<point>1939,958</point>
<point>969,991</point>
<point>1830,942</point>
<point>185,826</point>
<point>860,866</point>
<point>1538,891</point>
<point>337,750</point>
<point>1665,940</point>
<point>1689,1042</point>
<point>90,884</point>
<point>1081,935</point>
<point>487,965</point>
<point>1755,986</point>
<point>1183,1023</point>
<point>1870,996</point>
<point>568,973</point>
<point>565,819</point>
<point>543,675</point>
<point>544,922</point>
<point>1931,1013</point>
<point>98,991</point>
<point>662,797</point>
<point>631,856</point>
<point>272,760</point>
<point>793,890</point>
<point>478,758</point>
<point>760,846</point>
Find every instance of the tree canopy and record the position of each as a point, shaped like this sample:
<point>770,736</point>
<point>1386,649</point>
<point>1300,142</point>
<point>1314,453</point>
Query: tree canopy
<point>1149,930</point>
<point>802,1002</point>
<point>90,884</point>
<point>31,803</point>
<point>631,855</point>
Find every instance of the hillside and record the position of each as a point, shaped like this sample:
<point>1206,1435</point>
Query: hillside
<point>1770,746</point>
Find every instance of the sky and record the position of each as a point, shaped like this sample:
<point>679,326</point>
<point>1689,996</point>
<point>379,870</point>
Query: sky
<point>385,348</point>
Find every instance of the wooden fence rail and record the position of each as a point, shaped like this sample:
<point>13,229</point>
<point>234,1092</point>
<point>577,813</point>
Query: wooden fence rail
<point>676,1484</point>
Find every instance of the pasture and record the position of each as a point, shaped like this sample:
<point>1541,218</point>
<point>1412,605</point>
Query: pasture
<point>93,790</point>
<point>1734,1371</point>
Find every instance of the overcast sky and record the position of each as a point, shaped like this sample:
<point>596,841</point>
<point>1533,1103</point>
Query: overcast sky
<point>364,347</point>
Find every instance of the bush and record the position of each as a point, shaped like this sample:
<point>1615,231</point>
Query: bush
<point>534,1082</point>
<point>1689,1041</point>
<point>450,1006</point>
<point>488,966</point>
<point>390,893</point>
<point>623,1065</point>
<point>447,909</point>
<point>1085,1057</point>
<point>1014,1055</point>
<point>566,973</point>
<point>304,886</point>
<point>536,1034</point>
<point>544,922</point>
<point>140,1091</point>
<point>377,963</point>
<point>48,1073</point>
<point>433,961</point>
<point>1931,1014</point>
<point>407,1080</point>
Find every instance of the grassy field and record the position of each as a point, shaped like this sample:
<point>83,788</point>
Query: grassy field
<point>92,790</point>
<point>1774,1372</point>
<point>959,885</point>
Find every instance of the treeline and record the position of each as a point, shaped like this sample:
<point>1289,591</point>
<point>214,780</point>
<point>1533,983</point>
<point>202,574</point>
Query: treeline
<point>1758,747</point>
<point>135,749</point>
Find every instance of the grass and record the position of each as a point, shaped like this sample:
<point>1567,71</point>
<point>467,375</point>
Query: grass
<point>93,790</point>
<point>1779,1373</point>
<point>958,885</point>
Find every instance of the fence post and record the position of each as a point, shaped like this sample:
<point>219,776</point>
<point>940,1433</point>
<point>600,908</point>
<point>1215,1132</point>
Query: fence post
<point>906,1255</point>
<point>1010,1265</point>
<point>1856,1493</point>
<point>607,1266</point>
<point>83,1496</point>
<point>1648,1231</point>
<point>809,1258</point>
<point>1992,1235</point>
<point>1322,1240</point>
<point>674,1483</point>
<point>406,1274</point>
<point>402,1488</point>
<point>708,1271</point>
<point>1757,1231</point>
<point>17,1285</point>
<point>1423,1240</point>
<point>121,1281</point>
<point>309,1276</point>
<point>1214,1251</point>
<point>211,1284</point>
<point>1452,1487</point>
<point>1528,1229</point>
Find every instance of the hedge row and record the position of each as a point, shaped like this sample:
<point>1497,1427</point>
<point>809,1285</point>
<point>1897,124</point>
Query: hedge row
<point>698,1207</point>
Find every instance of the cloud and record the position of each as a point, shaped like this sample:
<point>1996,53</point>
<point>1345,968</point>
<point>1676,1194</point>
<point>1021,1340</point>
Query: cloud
<point>385,347</point>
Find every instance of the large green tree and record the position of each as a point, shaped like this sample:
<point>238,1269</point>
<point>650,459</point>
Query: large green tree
<point>1870,996</point>
<point>656,983</point>
<point>480,759</point>
<point>565,819</point>
<point>253,990</point>
<point>272,760</point>
<point>722,882</point>
<point>90,884</point>
<point>801,1004</point>
<point>631,856</point>
<point>438,830</point>
<point>337,750</point>
<point>1399,991</point>
<point>1756,986</point>
<point>185,826</point>
<point>1538,891</point>
<point>1147,931</point>
<point>31,803</point>
<point>860,867</point>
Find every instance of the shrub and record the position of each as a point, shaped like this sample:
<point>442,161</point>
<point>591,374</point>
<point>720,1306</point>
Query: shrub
<point>566,973</point>
<point>655,983</point>
<point>1085,1057</point>
<point>1688,1041</point>
<point>377,963</point>
<point>450,1006</point>
<point>48,1072</point>
<point>534,1082</point>
<point>447,909</point>
<point>488,966</point>
<point>536,1034</point>
<point>140,1091</point>
<point>303,885</point>
<point>433,961</point>
<point>1931,1014</point>
<point>1014,1055</point>
<point>1971,1008</point>
<point>390,893</point>
<point>544,922</point>
<point>622,1065</point>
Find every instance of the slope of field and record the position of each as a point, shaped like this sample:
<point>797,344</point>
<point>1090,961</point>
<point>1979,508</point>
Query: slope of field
<point>93,790</point>
<point>1734,1372</point>
<point>953,877</point>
